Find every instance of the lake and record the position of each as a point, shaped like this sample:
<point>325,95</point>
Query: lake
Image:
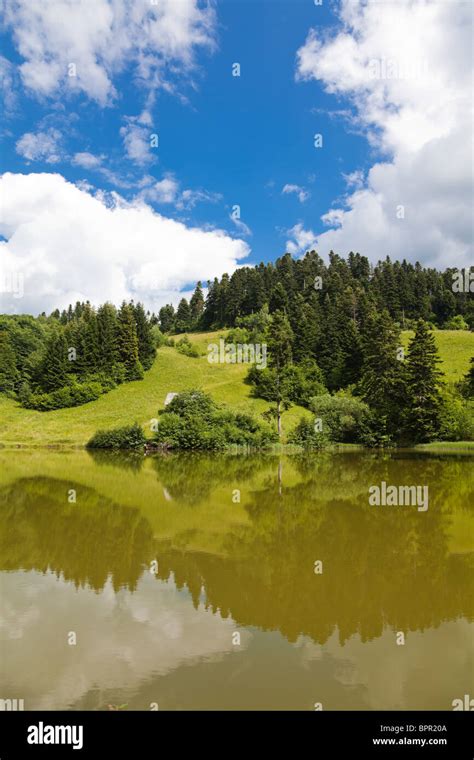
<point>184,582</point>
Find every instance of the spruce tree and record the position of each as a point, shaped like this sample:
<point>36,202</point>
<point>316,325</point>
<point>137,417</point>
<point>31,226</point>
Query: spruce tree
<point>54,367</point>
<point>196,305</point>
<point>128,343</point>
<point>107,325</point>
<point>423,405</point>
<point>146,344</point>
<point>167,318</point>
<point>280,338</point>
<point>183,317</point>
<point>9,375</point>
<point>381,383</point>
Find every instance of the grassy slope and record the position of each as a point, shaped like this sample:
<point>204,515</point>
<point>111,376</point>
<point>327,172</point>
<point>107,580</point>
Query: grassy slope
<point>174,372</point>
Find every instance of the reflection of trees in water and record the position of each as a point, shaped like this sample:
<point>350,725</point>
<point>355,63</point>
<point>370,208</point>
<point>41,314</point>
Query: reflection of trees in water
<point>124,460</point>
<point>84,542</point>
<point>381,565</point>
<point>191,478</point>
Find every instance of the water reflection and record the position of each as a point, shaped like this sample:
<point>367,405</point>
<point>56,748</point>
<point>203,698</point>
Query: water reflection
<point>235,540</point>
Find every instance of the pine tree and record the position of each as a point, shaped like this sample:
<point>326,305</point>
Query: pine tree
<point>183,317</point>
<point>9,375</point>
<point>196,305</point>
<point>107,325</point>
<point>146,344</point>
<point>128,343</point>
<point>423,407</point>
<point>167,318</point>
<point>381,383</point>
<point>278,299</point>
<point>280,338</point>
<point>54,367</point>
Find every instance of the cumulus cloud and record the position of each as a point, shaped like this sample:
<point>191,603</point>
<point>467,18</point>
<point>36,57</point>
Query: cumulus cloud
<point>40,146</point>
<point>413,100</point>
<point>69,245</point>
<point>300,240</point>
<point>167,190</point>
<point>87,160</point>
<point>300,192</point>
<point>102,38</point>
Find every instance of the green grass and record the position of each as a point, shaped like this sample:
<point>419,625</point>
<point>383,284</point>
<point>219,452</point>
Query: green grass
<point>139,401</point>
<point>455,349</point>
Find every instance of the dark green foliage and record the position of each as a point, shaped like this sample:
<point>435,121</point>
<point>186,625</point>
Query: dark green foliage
<point>167,318</point>
<point>69,395</point>
<point>183,321</point>
<point>299,382</point>
<point>70,358</point>
<point>128,343</point>
<point>196,305</point>
<point>127,437</point>
<point>55,365</point>
<point>9,375</point>
<point>308,435</point>
<point>382,382</point>
<point>146,344</point>
<point>193,421</point>
<point>422,414</point>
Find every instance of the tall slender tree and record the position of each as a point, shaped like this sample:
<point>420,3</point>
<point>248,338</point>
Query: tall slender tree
<point>423,407</point>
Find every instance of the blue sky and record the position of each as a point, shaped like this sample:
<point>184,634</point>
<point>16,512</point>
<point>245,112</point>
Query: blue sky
<point>229,140</point>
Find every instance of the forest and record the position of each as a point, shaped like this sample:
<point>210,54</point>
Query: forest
<point>333,332</point>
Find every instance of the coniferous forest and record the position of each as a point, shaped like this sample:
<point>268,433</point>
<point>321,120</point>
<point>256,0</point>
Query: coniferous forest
<point>333,333</point>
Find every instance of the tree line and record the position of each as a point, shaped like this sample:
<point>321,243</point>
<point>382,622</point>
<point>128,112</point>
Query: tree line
<point>74,356</point>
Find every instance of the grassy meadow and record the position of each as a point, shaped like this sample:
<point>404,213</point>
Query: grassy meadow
<point>173,372</point>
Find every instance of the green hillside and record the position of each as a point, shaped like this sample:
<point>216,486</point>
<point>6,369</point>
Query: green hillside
<point>173,372</point>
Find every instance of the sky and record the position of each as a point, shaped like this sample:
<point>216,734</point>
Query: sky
<point>148,144</point>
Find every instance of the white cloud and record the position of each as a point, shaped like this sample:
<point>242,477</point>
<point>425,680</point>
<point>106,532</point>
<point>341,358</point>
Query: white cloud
<point>189,198</point>
<point>69,245</point>
<point>300,240</point>
<point>137,137</point>
<point>333,218</point>
<point>167,190</point>
<point>354,179</point>
<point>87,160</point>
<point>413,100</point>
<point>302,194</point>
<point>102,38</point>
<point>164,191</point>
<point>40,146</point>
<point>242,228</point>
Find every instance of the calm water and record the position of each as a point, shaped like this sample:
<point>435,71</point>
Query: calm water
<point>157,565</point>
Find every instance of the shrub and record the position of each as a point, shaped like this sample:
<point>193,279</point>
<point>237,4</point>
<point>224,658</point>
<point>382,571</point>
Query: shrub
<point>75,394</point>
<point>127,437</point>
<point>193,421</point>
<point>184,346</point>
<point>456,323</point>
<point>344,417</point>
<point>307,435</point>
<point>301,382</point>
